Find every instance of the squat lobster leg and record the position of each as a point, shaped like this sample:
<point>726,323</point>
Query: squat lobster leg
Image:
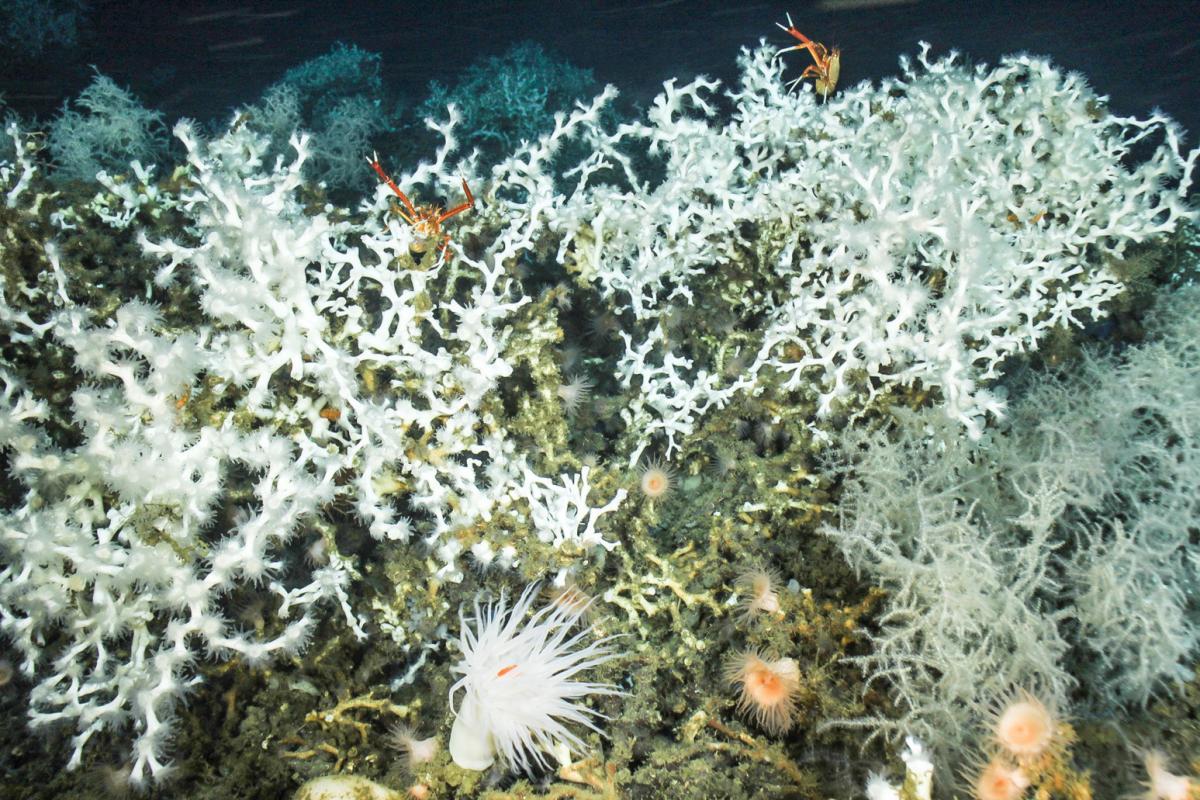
<point>410,217</point>
<point>461,207</point>
<point>425,221</point>
<point>827,64</point>
<point>458,209</point>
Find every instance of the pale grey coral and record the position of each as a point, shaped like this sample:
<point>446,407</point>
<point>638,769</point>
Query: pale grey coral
<point>339,98</point>
<point>1132,561</point>
<point>510,98</point>
<point>1059,550</point>
<point>104,129</point>
<point>971,606</point>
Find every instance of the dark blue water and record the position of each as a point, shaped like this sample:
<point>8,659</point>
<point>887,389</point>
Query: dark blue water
<point>201,59</point>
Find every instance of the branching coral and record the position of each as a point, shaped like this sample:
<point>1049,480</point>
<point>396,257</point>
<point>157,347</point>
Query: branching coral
<point>1059,554</point>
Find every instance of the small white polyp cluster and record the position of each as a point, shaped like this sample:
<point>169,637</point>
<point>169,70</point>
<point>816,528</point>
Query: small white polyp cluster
<point>915,233</point>
<point>125,558</point>
<point>918,232</point>
<point>918,776</point>
<point>328,371</point>
<point>560,513</point>
<point>113,583</point>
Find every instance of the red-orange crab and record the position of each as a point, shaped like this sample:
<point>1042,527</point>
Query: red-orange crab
<point>425,221</point>
<point>828,61</point>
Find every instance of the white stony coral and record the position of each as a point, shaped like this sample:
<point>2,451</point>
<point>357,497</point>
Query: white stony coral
<point>519,692</point>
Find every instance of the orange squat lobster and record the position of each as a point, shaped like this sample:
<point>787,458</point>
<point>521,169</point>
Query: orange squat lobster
<point>425,221</point>
<point>828,61</point>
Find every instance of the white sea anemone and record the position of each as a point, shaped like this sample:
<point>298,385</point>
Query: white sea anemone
<point>575,392</point>
<point>519,695</point>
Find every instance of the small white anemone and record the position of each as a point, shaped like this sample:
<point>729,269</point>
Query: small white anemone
<point>519,695</point>
<point>575,392</point>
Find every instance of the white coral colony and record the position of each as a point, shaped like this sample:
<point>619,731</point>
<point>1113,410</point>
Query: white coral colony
<point>519,692</point>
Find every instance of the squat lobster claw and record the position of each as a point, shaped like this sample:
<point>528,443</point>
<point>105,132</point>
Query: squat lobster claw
<point>425,221</point>
<point>828,64</point>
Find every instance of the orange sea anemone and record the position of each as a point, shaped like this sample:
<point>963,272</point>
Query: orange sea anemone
<point>1000,781</point>
<point>768,690</point>
<point>657,480</point>
<point>1024,726</point>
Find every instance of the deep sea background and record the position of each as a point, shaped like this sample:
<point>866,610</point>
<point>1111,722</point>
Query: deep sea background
<point>200,59</point>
